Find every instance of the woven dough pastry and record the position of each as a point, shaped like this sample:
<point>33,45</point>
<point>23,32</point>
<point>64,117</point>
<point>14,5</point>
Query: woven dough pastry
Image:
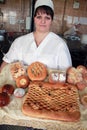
<point>52,101</point>
<point>37,71</point>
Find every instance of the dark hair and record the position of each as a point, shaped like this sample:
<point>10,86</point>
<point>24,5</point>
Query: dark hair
<point>44,9</point>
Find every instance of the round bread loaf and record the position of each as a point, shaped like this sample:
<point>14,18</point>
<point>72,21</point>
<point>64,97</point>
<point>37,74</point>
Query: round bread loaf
<point>74,76</point>
<point>8,88</point>
<point>37,71</point>
<point>22,81</point>
<point>4,99</point>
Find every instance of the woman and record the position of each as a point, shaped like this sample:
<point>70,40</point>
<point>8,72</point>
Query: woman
<point>41,45</point>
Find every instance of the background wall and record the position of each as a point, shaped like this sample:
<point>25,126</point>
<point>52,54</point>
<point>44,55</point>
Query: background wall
<point>66,15</point>
<point>16,11</point>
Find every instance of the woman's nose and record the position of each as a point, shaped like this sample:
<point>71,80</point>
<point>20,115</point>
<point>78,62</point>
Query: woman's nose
<point>43,20</point>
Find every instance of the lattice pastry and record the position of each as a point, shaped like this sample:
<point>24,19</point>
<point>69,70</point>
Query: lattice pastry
<point>52,101</point>
<point>37,71</point>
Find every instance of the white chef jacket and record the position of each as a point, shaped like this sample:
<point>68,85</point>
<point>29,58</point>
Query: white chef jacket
<point>53,51</point>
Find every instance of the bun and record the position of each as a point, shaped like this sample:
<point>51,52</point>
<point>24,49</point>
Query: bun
<point>22,81</point>
<point>59,101</point>
<point>37,71</point>
<point>74,76</point>
<point>17,69</point>
<point>84,100</point>
<point>82,69</point>
<point>4,99</point>
<point>77,76</point>
<point>81,85</point>
<point>19,92</point>
<point>8,88</point>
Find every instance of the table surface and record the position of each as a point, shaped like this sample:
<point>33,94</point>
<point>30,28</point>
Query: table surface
<point>13,115</point>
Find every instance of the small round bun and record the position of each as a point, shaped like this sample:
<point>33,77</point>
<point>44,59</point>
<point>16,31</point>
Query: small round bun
<point>82,69</point>
<point>19,92</point>
<point>37,71</point>
<point>8,88</point>
<point>22,81</point>
<point>4,99</point>
<point>84,100</point>
<point>81,85</point>
<point>74,76</point>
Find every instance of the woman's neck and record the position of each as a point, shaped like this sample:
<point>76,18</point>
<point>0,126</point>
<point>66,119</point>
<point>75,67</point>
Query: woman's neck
<point>39,37</point>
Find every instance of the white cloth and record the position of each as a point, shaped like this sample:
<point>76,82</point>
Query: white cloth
<point>53,51</point>
<point>44,2</point>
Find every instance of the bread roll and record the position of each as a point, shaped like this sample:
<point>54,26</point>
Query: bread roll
<point>8,88</point>
<point>22,81</point>
<point>4,99</point>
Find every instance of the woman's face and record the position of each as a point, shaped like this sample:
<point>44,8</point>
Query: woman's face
<point>42,22</point>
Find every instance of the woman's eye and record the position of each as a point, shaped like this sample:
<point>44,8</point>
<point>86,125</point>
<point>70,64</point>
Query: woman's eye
<point>38,17</point>
<point>48,18</point>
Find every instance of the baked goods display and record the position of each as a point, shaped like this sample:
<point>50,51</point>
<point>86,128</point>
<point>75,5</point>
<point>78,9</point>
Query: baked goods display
<point>37,71</point>
<point>77,76</point>
<point>59,101</point>
<point>19,92</point>
<point>22,81</point>
<point>52,95</point>
<point>4,99</point>
<point>17,69</point>
<point>8,88</point>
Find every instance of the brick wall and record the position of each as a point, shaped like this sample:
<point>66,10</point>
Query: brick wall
<point>15,11</point>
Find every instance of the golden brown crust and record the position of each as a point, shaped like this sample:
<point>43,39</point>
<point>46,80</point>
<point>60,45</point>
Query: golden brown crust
<point>22,81</point>
<point>82,69</point>
<point>74,76</point>
<point>63,116</point>
<point>37,71</point>
<point>77,76</point>
<point>59,101</point>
